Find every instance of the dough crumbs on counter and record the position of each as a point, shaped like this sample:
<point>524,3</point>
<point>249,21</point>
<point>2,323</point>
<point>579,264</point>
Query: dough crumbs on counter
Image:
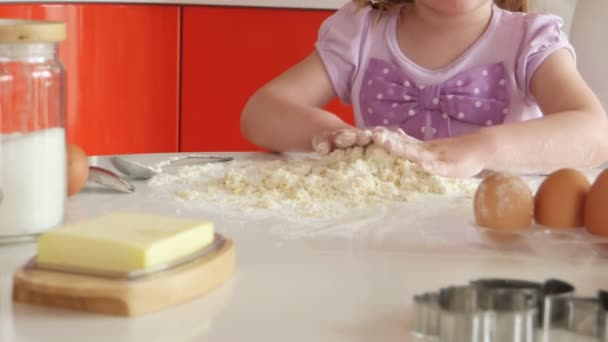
<point>359,177</point>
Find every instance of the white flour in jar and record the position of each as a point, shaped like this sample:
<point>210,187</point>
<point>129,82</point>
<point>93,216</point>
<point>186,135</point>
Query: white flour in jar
<point>33,181</point>
<point>353,178</point>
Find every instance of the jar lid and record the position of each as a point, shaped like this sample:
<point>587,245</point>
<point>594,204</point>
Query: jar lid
<point>16,30</point>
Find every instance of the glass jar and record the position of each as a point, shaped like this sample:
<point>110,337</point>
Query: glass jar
<point>33,174</point>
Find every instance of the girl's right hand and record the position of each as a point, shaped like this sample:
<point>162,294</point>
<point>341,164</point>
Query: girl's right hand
<point>327,142</point>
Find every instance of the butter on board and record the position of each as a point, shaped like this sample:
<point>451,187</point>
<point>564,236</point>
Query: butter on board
<point>123,242</point>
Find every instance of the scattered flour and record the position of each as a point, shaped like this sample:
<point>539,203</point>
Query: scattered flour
<point>359,177</point>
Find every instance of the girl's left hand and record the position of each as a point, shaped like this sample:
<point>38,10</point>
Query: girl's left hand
<point>326,142</point>
<point>461,156</point>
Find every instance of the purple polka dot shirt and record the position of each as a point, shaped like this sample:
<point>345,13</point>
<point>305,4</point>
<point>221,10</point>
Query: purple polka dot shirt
<point>487,85</point>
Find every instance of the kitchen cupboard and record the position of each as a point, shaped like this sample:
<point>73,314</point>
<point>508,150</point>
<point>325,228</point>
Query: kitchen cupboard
<point>227,54</point>
<point>122,66</point>
<point>145,78</point>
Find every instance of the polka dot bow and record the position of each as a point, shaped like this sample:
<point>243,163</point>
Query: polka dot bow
<point>476,97</point>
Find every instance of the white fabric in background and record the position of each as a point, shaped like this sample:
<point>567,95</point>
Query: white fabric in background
<point>563,8</point>
<point>589,37</point>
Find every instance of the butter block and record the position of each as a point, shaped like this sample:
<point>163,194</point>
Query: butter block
<point>123,242</point>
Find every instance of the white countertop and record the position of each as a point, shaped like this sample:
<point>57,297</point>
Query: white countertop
<point>311,4</point>
<point>343,279</point>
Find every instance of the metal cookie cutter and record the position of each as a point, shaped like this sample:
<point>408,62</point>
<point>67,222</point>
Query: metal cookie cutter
<point>509,315</point>
<point>487,310</point>
<point>458,315</point>
<point>584,317</point>
<point>474,314</point>
<point>588,317</point>
<point>549,296</point>
<point>425,321</point>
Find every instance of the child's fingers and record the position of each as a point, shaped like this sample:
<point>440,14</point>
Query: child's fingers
<point>430,159</point>
<point>407,137</point>
<point>345,138</point>
<point>389,140</point>
<point>408,150</point>
<point>436,167</point>
<point>364,137</point>
<point>326,142</point>
<point>321,144</point>
<point>380,135</point>
<point>451,168</point>
<point>401,145</point>
<point>426,155</point>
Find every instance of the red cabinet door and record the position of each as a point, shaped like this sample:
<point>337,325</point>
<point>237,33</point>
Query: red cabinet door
<point>122,65</point>
<point>227,54</point>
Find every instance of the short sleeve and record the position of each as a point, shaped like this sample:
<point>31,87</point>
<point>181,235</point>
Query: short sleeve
<point>339,46</point>
<point>543,35</point>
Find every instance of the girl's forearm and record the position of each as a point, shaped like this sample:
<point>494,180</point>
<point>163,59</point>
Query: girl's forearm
<point>277,124</point>
<point>576,139</point>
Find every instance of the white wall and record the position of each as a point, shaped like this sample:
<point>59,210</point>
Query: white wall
<point>586,21</point>
<point>589,35</point>
<point>563,8</point>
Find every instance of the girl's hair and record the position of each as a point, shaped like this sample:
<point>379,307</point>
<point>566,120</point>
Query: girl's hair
<point>390,5</point>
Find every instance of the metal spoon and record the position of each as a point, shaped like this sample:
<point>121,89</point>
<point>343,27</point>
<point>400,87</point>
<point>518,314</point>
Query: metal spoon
<point>109,179</point>
<point>138,171</point>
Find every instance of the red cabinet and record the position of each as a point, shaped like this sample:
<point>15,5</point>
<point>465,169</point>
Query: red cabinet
<point>122,65</point>
<point>227,54</point>
<point>167,78</point>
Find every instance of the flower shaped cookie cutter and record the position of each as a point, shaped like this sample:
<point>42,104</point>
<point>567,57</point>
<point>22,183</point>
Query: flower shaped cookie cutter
<point>509,310</point>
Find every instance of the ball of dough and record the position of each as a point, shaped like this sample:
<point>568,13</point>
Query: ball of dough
<point>504,202</point>
<point>560,199</point>
<point>596,210</point>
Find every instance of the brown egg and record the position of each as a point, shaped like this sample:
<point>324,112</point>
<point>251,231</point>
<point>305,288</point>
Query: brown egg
<point>560,199</point>
<point>77,168</point>
<point>504,202</point>
<point>596,205</point>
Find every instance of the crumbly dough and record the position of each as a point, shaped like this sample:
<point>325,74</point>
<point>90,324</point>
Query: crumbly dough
<point>356,177</point>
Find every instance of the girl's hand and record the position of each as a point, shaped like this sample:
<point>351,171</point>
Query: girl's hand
<point>462,156</point>
<point>344,138</point>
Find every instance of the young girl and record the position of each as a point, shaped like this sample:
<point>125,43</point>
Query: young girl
<point>456,86</point>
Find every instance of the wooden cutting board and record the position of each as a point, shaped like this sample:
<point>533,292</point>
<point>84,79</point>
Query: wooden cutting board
<point>125,297</point>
